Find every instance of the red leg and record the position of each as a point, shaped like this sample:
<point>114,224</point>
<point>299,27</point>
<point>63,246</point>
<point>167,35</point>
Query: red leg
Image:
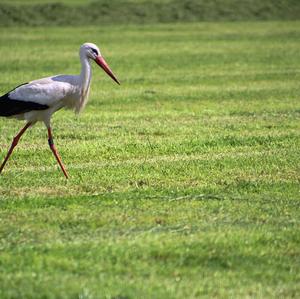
<point>55,152</point>
<point>14,144</point>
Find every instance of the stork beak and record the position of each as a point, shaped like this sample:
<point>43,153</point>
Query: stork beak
<point>102,63</point>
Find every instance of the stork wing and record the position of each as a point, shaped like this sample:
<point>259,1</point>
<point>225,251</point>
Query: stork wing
<point>46,91</point>
<point>35,95</point>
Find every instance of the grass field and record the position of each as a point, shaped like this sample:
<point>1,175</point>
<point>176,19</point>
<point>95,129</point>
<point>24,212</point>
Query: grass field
<point>103,12</point>
<point>184,180</point>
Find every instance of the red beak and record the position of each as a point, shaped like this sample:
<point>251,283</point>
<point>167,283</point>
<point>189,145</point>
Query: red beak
<point>101,62</point>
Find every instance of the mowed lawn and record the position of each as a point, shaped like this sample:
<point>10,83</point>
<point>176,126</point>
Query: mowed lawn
<point>184,180</point>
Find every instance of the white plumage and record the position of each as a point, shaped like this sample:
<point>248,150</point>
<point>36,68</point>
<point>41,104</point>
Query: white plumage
<point>39,99</point>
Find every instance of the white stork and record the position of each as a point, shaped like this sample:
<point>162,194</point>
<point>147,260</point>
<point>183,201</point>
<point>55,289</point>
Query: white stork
<point>39,99</point>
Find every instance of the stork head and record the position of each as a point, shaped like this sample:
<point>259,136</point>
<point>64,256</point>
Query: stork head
<point>91,51</point>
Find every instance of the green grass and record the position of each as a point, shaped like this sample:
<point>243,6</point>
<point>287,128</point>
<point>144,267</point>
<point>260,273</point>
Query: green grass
<point>72,2</point>
<point>43,2</point>
<point>79,13</point>
<point>184,180</point>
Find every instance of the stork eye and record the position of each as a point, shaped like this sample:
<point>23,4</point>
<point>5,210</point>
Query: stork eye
<point>95,51</point>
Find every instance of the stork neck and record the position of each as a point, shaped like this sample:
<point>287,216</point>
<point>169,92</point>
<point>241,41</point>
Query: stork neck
<point>85,74</point>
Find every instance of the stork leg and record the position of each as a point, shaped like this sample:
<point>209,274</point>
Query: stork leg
<point>14,144</point>
<point>55,152</point>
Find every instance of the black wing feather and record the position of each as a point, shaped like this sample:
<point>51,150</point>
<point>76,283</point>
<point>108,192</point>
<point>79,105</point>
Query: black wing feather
<point>11,107</point>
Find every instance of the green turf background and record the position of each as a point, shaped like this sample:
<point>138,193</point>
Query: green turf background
<point>78,13</point>
<point>184,180</point>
